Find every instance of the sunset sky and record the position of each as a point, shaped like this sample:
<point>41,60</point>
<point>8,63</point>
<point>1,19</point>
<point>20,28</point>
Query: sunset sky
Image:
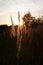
<point>11,7</point>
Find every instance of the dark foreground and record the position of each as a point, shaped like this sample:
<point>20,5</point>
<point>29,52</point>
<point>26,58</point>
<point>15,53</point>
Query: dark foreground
<point>31,47</point>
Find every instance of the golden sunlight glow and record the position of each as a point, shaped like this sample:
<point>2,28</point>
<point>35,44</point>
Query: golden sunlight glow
<point>21,22</point>
<point>15,20</point>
